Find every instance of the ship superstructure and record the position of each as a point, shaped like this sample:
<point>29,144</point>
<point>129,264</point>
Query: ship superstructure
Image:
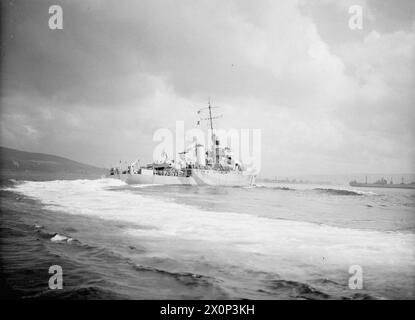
<point>196,166</point>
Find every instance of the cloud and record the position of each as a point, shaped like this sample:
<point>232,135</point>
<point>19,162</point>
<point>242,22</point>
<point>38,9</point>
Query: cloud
<point>97,90</point>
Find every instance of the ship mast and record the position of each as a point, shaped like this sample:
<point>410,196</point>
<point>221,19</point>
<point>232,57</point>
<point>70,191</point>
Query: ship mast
<point>210,117</point>
<point>212,134</point>
<point>213,138</point>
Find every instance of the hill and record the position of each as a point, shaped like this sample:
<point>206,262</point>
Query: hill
<point>17,164</point>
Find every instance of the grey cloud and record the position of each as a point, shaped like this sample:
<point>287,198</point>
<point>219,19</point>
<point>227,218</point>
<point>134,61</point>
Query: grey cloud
<point>120,70</point>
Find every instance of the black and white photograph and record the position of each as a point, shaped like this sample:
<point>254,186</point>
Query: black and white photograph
<point>228,151</point>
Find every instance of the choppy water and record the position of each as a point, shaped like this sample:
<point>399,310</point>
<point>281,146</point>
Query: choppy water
<point>150,242</point>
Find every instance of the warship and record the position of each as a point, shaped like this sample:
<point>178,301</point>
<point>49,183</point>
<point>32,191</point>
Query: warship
<point>382,183</point>
<point>214,167</point>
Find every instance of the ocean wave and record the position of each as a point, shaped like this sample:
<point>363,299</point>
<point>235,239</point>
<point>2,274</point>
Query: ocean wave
<point>294,289</point>
<point>344,192</point>
<point>91,184</point>
<point>187,278</point>
<point>144,185</point>
<point>330,191</point>
<point>9,184</point>
<point>61,238</point>
<point>53,236</point>
<point>183,230</point>
<point>301,290</point>
<point>273,187</point>
<point>91,292</point>
<point>361,296</point>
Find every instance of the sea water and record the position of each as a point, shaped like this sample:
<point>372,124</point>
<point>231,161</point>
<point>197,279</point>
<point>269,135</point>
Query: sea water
<point>270,241</point>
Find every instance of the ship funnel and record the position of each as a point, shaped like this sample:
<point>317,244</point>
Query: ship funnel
<point>200,155</point>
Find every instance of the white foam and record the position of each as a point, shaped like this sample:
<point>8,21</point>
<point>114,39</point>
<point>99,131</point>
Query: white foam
<point>366,193</point>
<point>60,238</point>
<point>239,239</point>
<point>144,185</point>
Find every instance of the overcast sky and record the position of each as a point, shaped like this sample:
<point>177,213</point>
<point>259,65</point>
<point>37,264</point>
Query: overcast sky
<point>328,99</point>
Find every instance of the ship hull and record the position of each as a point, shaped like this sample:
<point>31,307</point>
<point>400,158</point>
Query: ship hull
<point>197,178</point>
<point>218,178</point>
<point>154,179</point>
<point>375,185</point>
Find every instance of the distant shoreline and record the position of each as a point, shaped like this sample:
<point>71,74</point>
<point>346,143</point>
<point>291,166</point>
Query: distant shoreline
<point>22,165</point>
